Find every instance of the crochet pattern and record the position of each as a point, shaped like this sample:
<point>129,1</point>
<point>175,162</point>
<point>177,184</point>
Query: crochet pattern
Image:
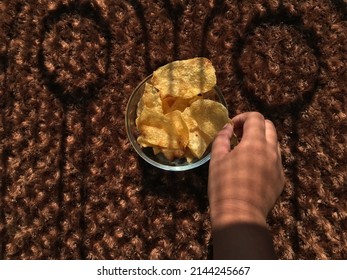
<point>71,186</point>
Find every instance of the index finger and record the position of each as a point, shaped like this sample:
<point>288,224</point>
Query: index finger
<point>271,134</point>
<point>252,125</point>
<point>221,144</point>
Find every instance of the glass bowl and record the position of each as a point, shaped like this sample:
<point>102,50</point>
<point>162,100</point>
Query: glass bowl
<point>147,154</point>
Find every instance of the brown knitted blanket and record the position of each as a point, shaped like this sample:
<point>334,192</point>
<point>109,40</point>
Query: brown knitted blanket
<point>72,187</point>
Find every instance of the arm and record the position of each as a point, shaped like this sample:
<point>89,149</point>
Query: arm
<point>244,184</point>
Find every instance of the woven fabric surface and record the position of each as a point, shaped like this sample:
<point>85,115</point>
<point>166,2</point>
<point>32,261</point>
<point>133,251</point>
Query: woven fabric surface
<point>72,187</point>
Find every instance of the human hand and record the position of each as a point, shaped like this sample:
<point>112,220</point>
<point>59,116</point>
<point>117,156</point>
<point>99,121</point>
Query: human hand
<point>244,183</point>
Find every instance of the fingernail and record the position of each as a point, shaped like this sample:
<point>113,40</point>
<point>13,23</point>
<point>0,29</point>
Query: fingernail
<point>226,125</point>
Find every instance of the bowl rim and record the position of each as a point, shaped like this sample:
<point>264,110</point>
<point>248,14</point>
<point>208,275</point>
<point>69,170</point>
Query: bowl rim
<point>138,148</point>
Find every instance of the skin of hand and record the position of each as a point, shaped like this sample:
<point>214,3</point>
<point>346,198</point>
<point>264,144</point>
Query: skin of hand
<point>245,182</point>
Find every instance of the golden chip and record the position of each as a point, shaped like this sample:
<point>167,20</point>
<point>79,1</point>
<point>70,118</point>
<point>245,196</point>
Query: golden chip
<point>171,103</point>
<point>172,154</point>
<point>167,131</point>
<point>185,78</point>
<point>150,99</point>
<point>198,142</point>
<point>179,127</point>
<point>204,119</point>
<point>210,116</point>
<point>189,156</point>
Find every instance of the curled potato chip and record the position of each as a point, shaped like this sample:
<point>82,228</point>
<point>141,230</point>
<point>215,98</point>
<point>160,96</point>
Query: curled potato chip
<point>210,116</point>
<point>166,131</point>
<point>198,142</point>
<point>185,78</point>
<point>204,119</point>
<point>172,154</point>
<point>170,103</point>
<point>150,99</point>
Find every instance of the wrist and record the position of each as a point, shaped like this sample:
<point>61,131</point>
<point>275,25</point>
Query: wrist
<point>233,212</point>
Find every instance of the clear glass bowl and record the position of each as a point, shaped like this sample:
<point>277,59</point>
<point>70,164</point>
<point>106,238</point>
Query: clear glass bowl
<point>147,154</point>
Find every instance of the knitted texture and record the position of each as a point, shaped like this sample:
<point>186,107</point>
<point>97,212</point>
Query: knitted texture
<point>72,187</point>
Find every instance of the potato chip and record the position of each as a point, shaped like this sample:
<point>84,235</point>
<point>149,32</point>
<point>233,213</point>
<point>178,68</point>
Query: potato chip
<point>150,99</point>
<point>210,116</point>
<point>189,156</point>
<point>185,78</point>
<point>180,128</point>
<point>166,131</point>
<point>198,142</point>
<point>172,154</point>
<point>171,103</point>
<point>204,119</point>
<point>156,150</point>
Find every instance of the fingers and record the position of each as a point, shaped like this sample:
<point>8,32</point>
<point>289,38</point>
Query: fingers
<point>221,144</point>
<point>272,140</point>
<point>255,129</point>
<point>271,134</point>
<point>252,125</point>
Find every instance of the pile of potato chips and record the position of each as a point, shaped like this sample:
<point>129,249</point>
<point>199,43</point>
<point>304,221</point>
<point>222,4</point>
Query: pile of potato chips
<point>174,115</point>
